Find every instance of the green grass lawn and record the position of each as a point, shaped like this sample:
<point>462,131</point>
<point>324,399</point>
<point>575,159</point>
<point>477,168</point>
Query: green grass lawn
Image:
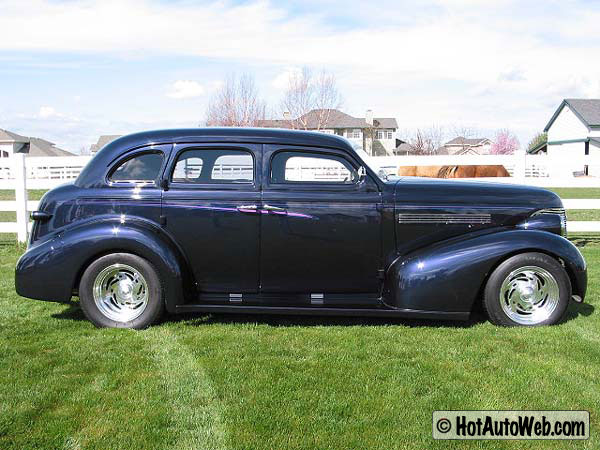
<point>583,214</point>
<point>32,194</point>
<point>577,192</point>
<point>243,382</point>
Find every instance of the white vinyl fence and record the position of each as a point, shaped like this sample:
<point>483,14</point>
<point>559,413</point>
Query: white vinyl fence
<point>559,170</point>
<point>20,173</point>
<point>42,172</point>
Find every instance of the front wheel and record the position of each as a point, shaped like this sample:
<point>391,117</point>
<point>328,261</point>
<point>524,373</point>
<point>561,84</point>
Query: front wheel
<point>529,289</point>
<point>121,290</point>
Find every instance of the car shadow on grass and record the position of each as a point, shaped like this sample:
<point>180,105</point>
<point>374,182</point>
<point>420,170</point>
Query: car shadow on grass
<point>281,320</point>
<point>74,312</point>
<point>578,309</point>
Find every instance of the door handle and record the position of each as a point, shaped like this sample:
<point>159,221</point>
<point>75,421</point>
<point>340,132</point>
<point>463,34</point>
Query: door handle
<point>273,208</point>
<point>247,208</point>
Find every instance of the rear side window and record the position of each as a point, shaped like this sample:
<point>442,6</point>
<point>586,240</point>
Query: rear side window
<point>214,166</point>
<point>142,168</point>
<point>299,167</point>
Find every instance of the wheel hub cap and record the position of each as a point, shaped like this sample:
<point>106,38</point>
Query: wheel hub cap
<point>529,295</point>
<point>120,292</point>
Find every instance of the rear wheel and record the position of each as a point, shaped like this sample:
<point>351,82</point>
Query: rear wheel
<point>529,289</point>
<point>121,290</point>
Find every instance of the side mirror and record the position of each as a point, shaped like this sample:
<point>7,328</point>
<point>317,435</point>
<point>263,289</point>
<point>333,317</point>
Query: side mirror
<point>164,184</point>
<point>383,175</point>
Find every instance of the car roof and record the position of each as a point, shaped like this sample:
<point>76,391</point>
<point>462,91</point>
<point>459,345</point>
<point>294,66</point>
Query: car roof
<point>122,145</point>
<point>229,134</point>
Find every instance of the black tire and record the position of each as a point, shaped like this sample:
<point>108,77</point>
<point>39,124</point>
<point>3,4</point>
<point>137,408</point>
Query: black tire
<point>154,308</point>
<point>491,300</point>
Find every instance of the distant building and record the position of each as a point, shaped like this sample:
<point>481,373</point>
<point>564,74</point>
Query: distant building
<point>375,135</point>
<point>102,141</point>
<point>12,142</point>
<point>466,146</point>
<point>574,130</point>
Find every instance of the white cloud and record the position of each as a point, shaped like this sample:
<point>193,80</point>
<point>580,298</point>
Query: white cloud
<point>424,62</point>
<point>282,80</point>
<point>466,40</point>
<point>47,111</point>
<point>185,89</point>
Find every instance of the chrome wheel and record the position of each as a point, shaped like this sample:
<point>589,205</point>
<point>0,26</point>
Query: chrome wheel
<point>529,295</point>
<point>120,292</point>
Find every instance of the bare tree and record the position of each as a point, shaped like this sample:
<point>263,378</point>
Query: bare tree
<point>306,93</point>
<point>465,132</point>
<point>236,104</point>
<point>426,141</point>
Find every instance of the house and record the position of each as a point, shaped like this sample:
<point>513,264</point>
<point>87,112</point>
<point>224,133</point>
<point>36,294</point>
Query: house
<point>573,130</point>
<point>102,141</point>
<point>12,142</point>
<point>376,135</point>
<point>467,146</point>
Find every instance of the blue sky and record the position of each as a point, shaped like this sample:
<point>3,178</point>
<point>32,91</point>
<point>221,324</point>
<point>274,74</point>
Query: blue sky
<point>72,70</point>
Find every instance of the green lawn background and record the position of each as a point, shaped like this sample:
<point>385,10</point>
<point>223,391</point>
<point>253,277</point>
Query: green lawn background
<point>280,382</point>
<point>217,381</point>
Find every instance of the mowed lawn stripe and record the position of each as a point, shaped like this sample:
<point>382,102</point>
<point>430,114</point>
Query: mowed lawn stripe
<point>309,383</point>
<point>195,411</point>
<point>280,382</point>
<point>64,383</point>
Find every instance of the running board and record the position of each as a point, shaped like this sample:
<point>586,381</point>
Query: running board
<point>291,310</point>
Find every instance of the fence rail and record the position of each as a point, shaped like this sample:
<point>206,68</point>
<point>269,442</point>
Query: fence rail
<point>559,170</point>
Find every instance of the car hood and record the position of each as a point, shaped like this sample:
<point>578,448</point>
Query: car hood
<point>436,192</point>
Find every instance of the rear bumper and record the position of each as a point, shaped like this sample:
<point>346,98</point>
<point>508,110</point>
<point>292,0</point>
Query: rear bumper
<point>42,273</point>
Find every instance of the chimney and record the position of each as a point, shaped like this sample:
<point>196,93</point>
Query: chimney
<point>286,115</point>
<point>369,117</point>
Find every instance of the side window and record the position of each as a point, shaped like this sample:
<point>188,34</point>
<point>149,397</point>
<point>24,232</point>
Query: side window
<point>298,167</point>
<point>216,166</point>
<point>142,168</point>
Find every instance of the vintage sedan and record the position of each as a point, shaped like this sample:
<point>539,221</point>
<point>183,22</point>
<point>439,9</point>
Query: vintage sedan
<point>277,221</point>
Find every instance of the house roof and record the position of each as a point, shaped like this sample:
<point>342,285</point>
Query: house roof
<point>42,147</point>
<point>460,140</point>
<point>103,140</point>
<point>541,147</point>
<point>405,149</point>
<point>37,146</point>
<point>9,136</point>
<point>336,119</point>
<point>586,109</point>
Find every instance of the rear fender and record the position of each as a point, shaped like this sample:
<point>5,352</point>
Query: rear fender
<point>51,270</point>
<point>449,276</point>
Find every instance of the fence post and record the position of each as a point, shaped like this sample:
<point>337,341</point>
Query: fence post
<point>520,164</point>
<point>20,175</point>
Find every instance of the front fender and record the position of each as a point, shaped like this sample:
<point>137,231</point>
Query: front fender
<point>51,270</point>
<point>449,275</point>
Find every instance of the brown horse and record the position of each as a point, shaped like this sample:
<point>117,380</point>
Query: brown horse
<point>460,171</point>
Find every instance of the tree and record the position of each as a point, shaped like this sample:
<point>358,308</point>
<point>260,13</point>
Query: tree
<point>306,93</point>
<point>538,139</point>
<point>465,132</point>
<point>505,143</point>
<point>426,141</point>
<point>236,104</point>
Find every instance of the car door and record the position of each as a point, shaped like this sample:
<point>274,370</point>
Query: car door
<point>321,223</point>
<point>211,209</point>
